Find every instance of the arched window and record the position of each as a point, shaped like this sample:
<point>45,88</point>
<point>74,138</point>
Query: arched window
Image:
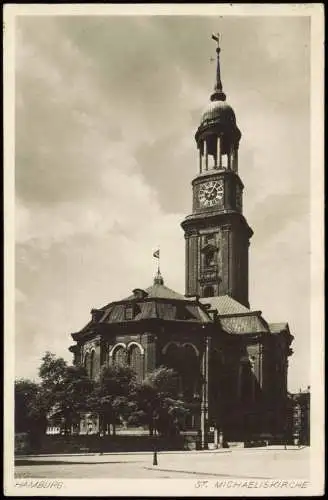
<point>172,356</point>
<point>135,360</point>
<point>172,359</point>
<point>92,364</point>
<point>208,291</point>
<point>119,357</point>
<point>185,362</point>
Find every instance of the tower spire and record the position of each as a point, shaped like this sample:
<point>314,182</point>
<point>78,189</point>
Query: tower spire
<point>158,279</point>
<point>218,94</point>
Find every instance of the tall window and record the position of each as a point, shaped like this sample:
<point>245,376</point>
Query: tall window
<point>184,361</point>
<point>172,357</point>
<point>210,258</point>
<point>135,360</point>
<point>208,291</point>
<point>119,356</point>
<point>209,238</point>
<point>92,364</point>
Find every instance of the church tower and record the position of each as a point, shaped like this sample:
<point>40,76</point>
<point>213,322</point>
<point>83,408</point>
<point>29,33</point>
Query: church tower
<point>216,233</point>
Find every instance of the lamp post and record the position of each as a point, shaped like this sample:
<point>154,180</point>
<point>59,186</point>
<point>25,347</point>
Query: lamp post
<point>204,402</point>
<point>155,444</point>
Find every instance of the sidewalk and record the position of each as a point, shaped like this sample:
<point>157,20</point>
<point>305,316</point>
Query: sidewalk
<point>177,452</point>
<point>248,463</point>
<point>123,453</point>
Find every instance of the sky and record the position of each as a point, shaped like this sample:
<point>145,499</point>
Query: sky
<point>106,109</point>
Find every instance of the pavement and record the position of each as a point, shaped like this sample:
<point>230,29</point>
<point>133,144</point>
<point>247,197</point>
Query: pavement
<point>272,462</point>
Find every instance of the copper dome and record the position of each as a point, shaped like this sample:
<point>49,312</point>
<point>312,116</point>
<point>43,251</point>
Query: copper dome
<point>219,112</point>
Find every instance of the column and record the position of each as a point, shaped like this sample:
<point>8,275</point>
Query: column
<point>200,160</point>
<point>261,366</point>
<point>235,159</point>
<point>218,153</point>
<point>143,367</point>
<point>203,403</point>
<point>206,155</point>
<point>216,438</point>
<point>149,360</point>
<point>239,379</point>
<point>229,157</point>
<point>253,375</point>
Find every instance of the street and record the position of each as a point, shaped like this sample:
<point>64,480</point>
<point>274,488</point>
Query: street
<point>255,463</point>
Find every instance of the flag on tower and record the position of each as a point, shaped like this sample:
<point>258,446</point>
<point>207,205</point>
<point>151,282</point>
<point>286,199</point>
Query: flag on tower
<point>156,254</point>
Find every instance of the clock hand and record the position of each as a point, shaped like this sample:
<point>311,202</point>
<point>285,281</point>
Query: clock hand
<point>211,191</point>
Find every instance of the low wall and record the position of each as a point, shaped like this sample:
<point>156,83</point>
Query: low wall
<point>59,444</point>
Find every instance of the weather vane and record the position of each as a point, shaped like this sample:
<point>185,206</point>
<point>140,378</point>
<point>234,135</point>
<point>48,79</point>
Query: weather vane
<point>216,37</point>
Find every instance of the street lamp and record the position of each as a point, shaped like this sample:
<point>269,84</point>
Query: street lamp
<point>155,444</point>
<point>204,401</point>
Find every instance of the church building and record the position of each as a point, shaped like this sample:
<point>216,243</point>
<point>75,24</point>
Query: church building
<point>227,355</point>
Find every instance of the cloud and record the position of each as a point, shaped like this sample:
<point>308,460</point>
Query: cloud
<point>106,111</point>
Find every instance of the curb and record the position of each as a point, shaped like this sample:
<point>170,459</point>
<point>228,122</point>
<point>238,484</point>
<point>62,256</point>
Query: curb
<point>178,452</point>
<point>97,454</point>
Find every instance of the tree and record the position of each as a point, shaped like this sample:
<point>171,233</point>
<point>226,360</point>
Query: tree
<point>111,398</point>
<point>71,396</point>
<point>65,390</point>
<point>158,404</point>
<point>30,410</point>
<point>52,372</point>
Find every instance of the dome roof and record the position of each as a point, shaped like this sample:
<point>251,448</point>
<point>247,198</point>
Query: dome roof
<point>158,291</point>
<point>219,112</point>
<point>155,302</point>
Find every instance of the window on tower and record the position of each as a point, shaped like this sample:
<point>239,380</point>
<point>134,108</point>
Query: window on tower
<point>209,239</point>
<point>209,291</point>
<point>210,258</point>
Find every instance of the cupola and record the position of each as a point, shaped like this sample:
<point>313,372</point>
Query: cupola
<point>218,136</point>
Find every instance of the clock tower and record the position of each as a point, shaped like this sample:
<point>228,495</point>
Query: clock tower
<point>216,233</point>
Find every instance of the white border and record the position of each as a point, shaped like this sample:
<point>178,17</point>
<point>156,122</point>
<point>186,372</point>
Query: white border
<point>174,487</point>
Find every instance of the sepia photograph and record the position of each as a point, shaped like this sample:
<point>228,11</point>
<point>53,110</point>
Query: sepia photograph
<point>163,184</point>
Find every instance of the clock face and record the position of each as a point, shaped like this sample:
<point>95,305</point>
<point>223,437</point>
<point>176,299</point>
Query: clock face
<point>210,193</point>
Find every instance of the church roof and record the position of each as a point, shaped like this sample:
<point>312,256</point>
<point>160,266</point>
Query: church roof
<point>224,304</point>
<point>248,323</point>
<point>236,318</point>
<point>155,302</point>
<point>278,327</point>
<point>148,308</point>
<point>160,291</point>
